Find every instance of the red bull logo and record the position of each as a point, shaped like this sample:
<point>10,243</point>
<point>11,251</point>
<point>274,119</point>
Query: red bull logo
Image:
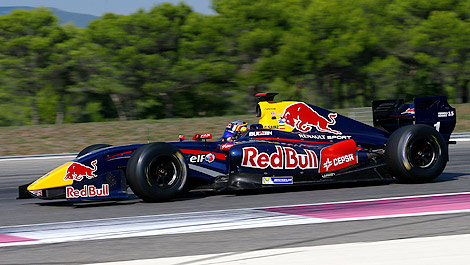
<point>283,158</point>
<point>88,191</point>
<point>77,171</point>
<point>303,118</point>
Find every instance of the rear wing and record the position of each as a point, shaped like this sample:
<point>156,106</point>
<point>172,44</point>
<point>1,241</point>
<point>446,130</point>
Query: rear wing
<point>392,114</point>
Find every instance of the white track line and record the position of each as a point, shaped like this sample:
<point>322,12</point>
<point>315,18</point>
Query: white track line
<point>430,251</point>
<point>177,223</point>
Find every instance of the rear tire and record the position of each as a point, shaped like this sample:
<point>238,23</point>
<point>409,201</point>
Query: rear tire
<point>416,153</point>
<point>91,148</point>
<point>157,172</point>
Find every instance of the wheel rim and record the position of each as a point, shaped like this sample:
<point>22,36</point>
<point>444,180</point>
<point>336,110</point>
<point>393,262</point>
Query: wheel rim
<point>163,172</point>
<point>423,153</point>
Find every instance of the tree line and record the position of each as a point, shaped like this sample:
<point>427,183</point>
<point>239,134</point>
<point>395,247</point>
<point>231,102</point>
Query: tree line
<point>172,62</point>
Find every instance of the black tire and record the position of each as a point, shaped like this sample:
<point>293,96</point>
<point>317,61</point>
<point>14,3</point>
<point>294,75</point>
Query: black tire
<point>91,148</point>
<point>416,153</point>
<point>157,172</point>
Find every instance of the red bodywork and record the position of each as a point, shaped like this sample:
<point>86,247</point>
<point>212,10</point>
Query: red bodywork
<point>77,171</point>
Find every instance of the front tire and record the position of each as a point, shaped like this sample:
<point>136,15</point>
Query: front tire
<point>157,172</point>
<point>416,153</point>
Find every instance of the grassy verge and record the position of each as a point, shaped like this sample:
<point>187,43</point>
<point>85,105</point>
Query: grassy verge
<point>64,138</point>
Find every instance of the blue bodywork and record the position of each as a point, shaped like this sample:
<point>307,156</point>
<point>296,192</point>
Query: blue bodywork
<point>225,166</point>
<point>266,158</point>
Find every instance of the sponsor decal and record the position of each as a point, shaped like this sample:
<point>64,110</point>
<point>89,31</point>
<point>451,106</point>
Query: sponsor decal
<point>338,137</point>
<point>77,171</point>
<point>206,136</point>
<point>338,161</point>
<point>327,164</point>
<point>277,180</point>
<point>196,153</point>
<point>36,192</point>
<point>283,158</point>
<point>88,191</point>
<point>282,124</point>
<point>445,114</point>
<point>273,127</point>
<point>198,137</point>
<point>328,175</point>
<point>225,147</point>
<point>324,137</point>
<point>409,111</point>
<point>338,156</point>
<point>302,117</point>
<point>209,158</point>
<point>260,133</point>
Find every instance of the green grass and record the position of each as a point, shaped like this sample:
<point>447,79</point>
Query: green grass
<point>65,138</point>
<point>463,117</point>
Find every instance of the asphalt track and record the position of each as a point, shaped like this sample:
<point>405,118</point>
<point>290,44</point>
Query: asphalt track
<point>14,172</point>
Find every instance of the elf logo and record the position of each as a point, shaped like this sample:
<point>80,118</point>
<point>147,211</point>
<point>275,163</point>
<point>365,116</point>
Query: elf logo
<point>209,158</point>
<point>283,158</point>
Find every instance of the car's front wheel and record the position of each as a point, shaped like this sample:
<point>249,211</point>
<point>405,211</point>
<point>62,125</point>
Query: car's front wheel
<point>157,172</point>
<point>416,153</point>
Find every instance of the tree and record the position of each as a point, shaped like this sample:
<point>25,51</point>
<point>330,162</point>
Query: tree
<point>28,38</point>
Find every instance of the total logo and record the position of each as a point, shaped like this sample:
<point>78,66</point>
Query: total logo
<point>209,158</point>
<point>88,191</point>
<point>283,158</point>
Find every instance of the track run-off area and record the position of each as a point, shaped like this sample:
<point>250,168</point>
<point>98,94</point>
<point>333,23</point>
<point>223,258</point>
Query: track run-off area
<point>381,222</point>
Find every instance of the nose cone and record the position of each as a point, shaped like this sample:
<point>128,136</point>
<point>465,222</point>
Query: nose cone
<point>53,179</point>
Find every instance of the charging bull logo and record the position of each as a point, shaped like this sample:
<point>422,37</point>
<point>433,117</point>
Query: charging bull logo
<point>77,171</point>
<point>303,118</point>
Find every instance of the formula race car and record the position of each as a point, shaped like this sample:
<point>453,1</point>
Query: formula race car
<point>294,143</point>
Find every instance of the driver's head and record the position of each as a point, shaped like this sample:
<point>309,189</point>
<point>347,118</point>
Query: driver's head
<point>234,130</point>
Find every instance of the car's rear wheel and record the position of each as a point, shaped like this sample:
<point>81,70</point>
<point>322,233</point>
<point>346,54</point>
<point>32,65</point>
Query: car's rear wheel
<point>157,172</point>
<point>91,148</point>
<point>416,153</point>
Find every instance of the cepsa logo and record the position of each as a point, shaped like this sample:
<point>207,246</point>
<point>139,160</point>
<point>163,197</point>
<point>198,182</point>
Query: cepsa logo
<point>338,162</point>
<point>88,191</point>
<point>283,158</point>
<point>338,156</point>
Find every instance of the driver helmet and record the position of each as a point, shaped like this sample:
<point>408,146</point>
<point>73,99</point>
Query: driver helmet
<point>234,130</point>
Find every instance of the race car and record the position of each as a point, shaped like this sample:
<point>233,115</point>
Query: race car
<point>293,144</point>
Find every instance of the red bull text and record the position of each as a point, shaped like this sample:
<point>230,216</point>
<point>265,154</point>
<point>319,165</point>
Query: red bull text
<point>303,118</point>
<point>283,158</point>
<point>88,191</point>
